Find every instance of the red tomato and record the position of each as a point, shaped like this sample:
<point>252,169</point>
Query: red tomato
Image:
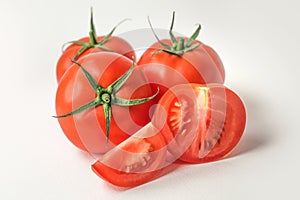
<point>92,44</point>
<point>193,60</point>
<point>135,161</point>
<point>89,129</point>
<point>200,123</point>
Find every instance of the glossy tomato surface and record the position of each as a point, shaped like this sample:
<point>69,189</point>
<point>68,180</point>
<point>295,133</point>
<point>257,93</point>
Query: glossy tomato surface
<point>203,125</point>
<point>138,160</point>
<point>115,44</point>
<point>163,69</point>
<point>86,130</point>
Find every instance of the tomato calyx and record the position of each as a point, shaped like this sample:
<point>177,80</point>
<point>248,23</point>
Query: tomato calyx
<point>93,43</point>
<point>106,97</point>
<point>179,46</point>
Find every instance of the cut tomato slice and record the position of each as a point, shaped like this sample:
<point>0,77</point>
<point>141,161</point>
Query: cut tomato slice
<point>136,161</point>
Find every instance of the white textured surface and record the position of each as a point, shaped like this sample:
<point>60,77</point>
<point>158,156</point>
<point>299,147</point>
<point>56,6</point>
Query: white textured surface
<point>259,44</point>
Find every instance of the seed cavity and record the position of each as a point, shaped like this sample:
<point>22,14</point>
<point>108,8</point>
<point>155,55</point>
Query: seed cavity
<point>177,104</point>
<point>128,168</point>
<point>174,110</point>
<point>178,119</point>
<point>144,162</point>
<point>139,162</point>
<point>147,157</point>
<point>174,123</point>
<point>183,131</point>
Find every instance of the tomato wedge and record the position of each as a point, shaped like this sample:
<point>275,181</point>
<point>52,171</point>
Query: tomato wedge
<point>203,126</point>
<point>136,161</point>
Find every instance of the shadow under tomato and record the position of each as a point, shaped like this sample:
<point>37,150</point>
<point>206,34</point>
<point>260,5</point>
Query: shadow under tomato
<point>248,143</point>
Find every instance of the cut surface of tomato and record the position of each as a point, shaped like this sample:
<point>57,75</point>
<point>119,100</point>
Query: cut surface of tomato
<point>137,160</point>
<point>204,127</point>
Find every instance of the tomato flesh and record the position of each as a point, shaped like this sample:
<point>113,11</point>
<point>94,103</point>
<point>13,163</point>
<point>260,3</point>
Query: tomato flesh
<point>136,161</point>
<point>204,127</point>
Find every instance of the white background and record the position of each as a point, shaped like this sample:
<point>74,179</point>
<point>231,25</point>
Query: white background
<point>259,44</point>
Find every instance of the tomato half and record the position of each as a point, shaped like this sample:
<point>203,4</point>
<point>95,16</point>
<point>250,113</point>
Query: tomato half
<point>92,44</point>
<point>202,126</point>
<point>137,160</point>
<point>88,129</point>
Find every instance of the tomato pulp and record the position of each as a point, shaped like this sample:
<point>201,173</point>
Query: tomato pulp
<point>137,160</point>
<point>203,126</point>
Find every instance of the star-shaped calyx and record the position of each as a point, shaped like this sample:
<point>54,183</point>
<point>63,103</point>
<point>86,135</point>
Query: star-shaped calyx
<point>106,97</point>
<point>179,46</point>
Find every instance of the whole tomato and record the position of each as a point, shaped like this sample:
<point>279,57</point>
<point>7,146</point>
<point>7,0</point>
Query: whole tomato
<point>201,123</point>
<point>92,44</point>
<point>179,60</point>
<point>101,100</point>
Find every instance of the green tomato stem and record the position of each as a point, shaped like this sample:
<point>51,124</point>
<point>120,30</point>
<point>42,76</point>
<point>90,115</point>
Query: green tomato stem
<point>105,97</point>
<point>178,47</point>
<point>93,43</point>
<point>92,33</point>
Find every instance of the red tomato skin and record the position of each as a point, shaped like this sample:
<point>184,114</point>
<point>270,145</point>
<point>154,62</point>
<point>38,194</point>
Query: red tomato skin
<point>123,179</point>
<point>201,65</point>
<point>132,179</point>
<point>86,129</point>
<point>116,44</point>
<point>222,101</point>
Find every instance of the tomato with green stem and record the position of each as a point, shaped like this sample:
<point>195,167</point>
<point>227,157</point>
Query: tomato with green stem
<point>138,160</point>
<point>92,44</point>
<point>202,125</point>
<point>195,61</point>
<point>101,100</point>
